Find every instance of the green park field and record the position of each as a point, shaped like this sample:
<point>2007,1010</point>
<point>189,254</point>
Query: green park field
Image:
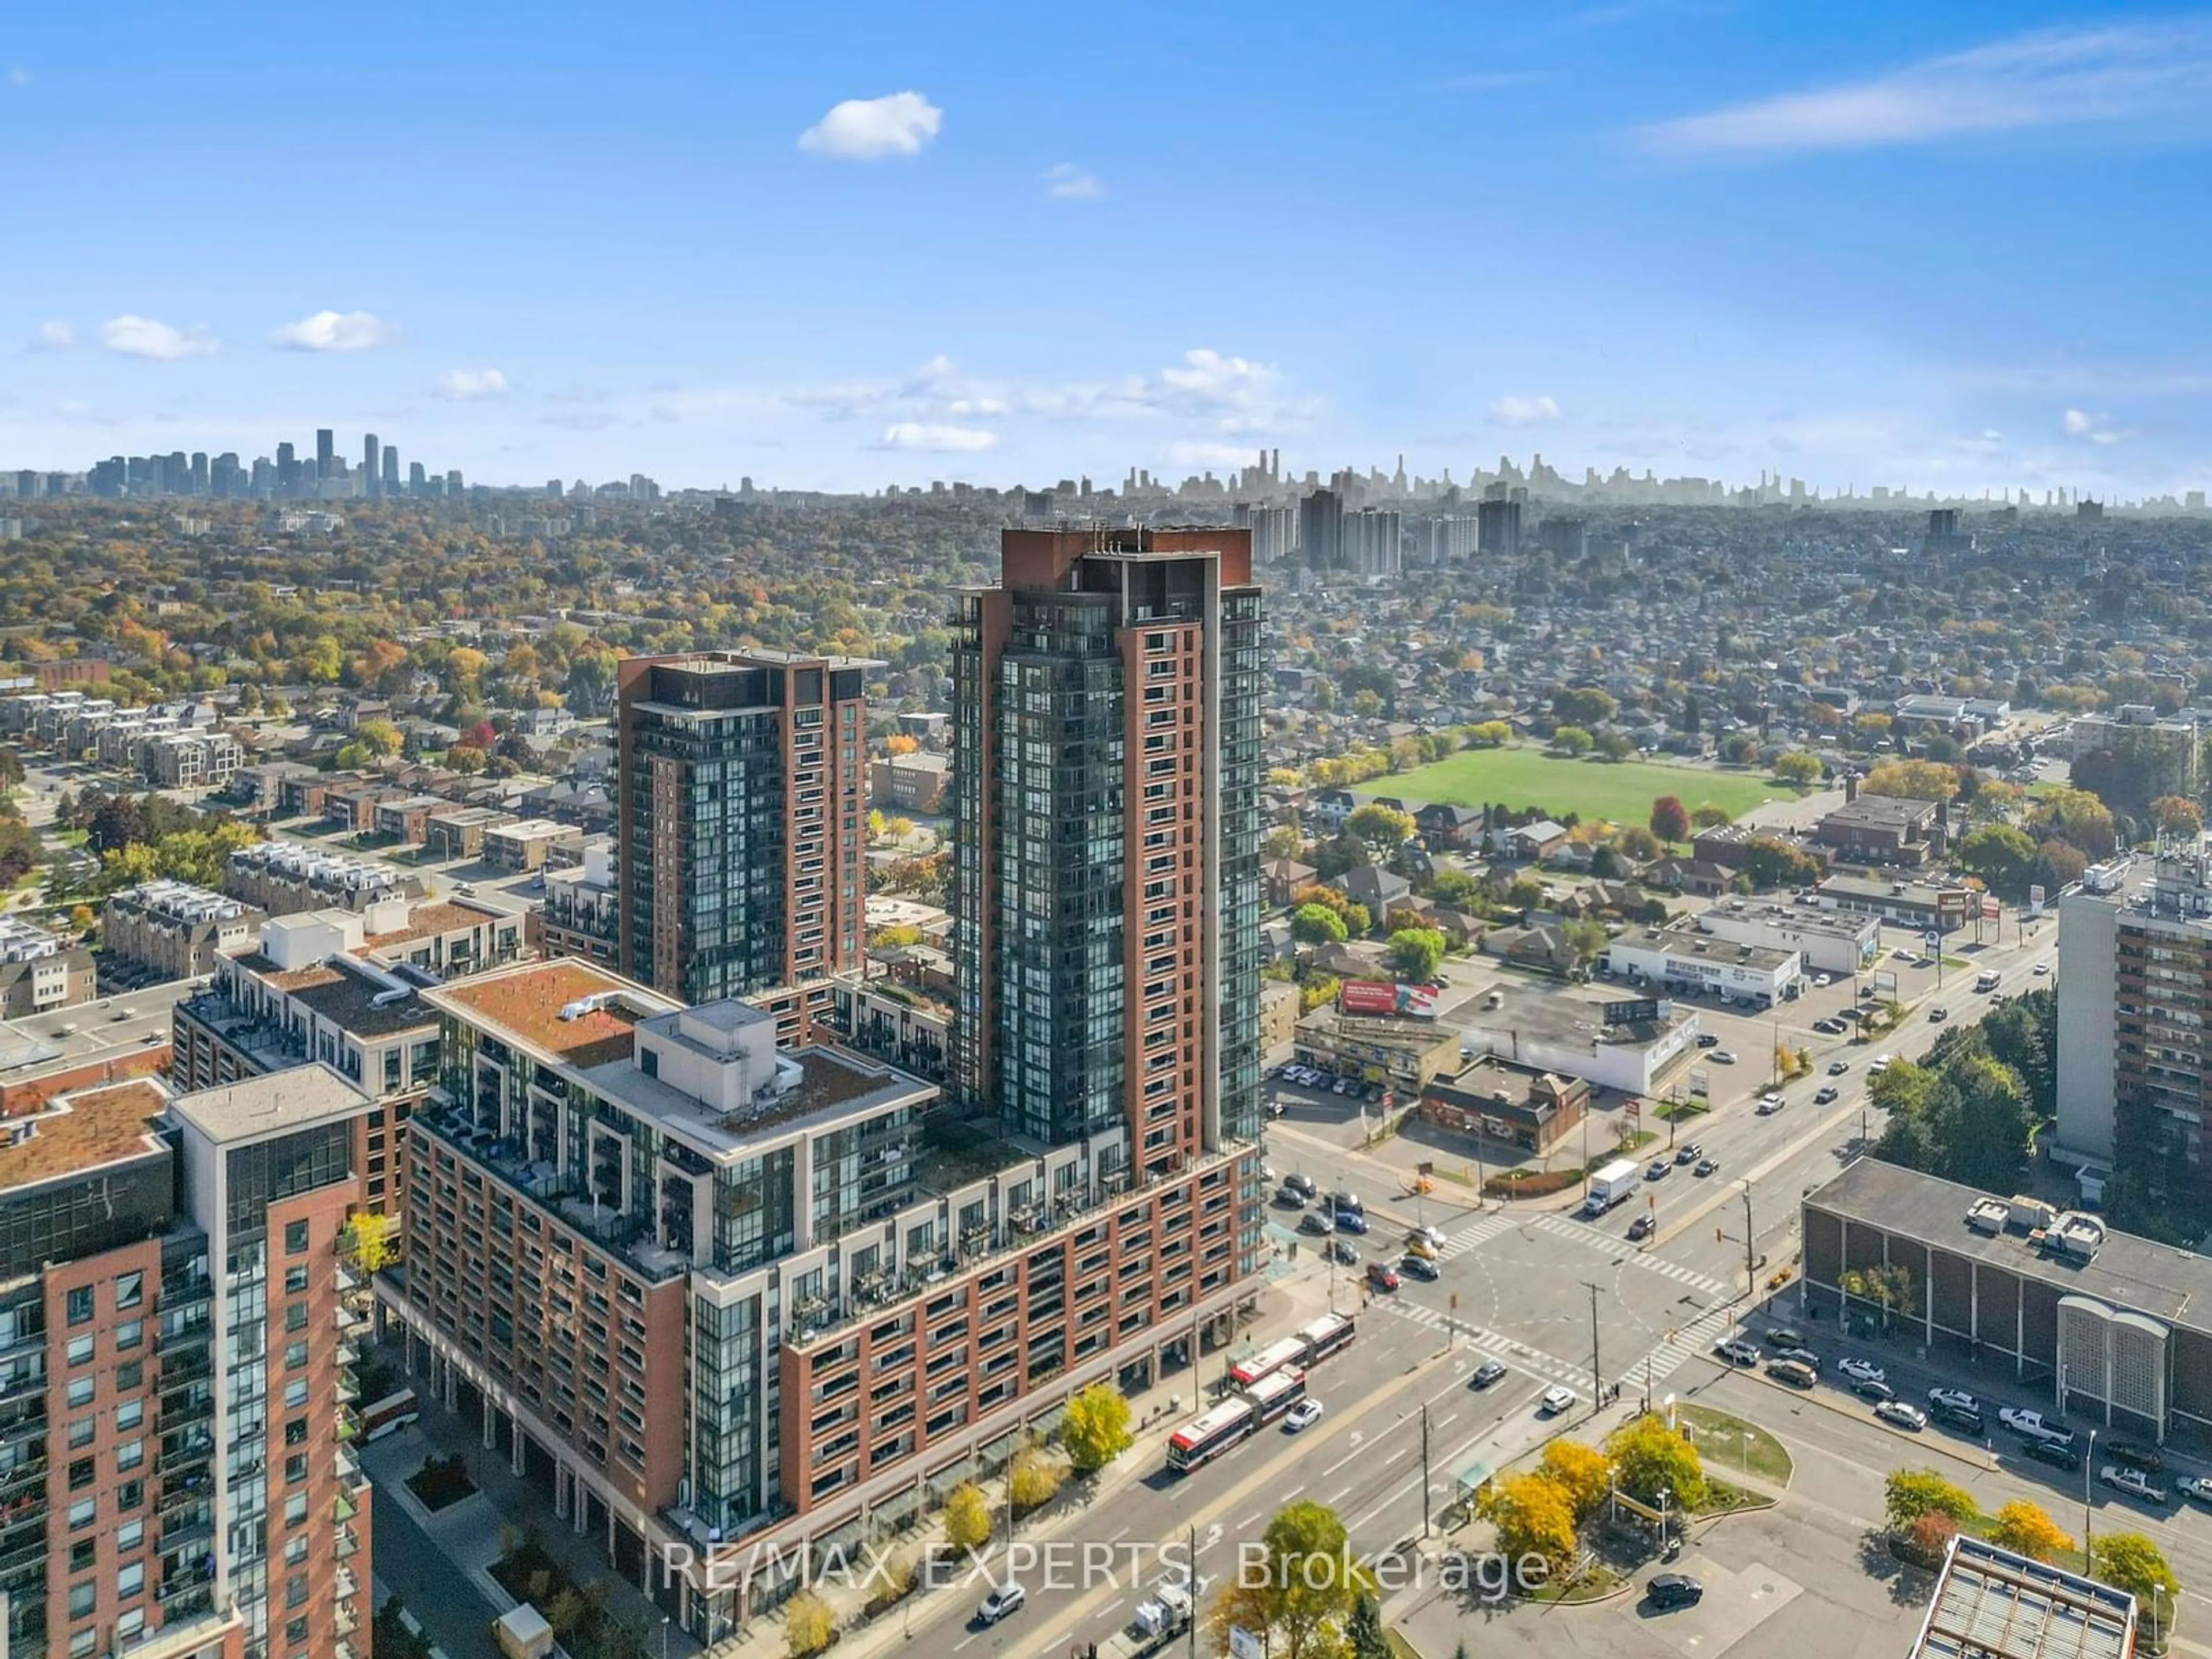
<point>1619,791</point>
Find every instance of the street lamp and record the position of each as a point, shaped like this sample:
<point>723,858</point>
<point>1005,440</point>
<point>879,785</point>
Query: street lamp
<point>2088,1473</point>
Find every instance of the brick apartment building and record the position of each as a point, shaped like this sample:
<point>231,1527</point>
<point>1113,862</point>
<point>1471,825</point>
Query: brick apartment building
<point>41,972</point>
<point>581,916</point>
<point>174,1394</point>
<point>166,930</point>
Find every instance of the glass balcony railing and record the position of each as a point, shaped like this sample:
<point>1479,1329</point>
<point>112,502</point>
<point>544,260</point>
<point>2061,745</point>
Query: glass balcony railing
<point>348,1545</point>
<point>184,1334</point>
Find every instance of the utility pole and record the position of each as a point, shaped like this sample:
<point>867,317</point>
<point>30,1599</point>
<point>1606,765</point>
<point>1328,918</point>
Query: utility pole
<point>1193,1591</point>
<point>1597,1376</point>
<point>1750,1251</point>
<point>1425,1505</point>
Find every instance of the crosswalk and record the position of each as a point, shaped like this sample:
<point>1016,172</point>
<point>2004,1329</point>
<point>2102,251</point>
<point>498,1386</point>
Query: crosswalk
<point>1472,1238</point>
<point>1693,1339</point>
<point>1489,1345</point>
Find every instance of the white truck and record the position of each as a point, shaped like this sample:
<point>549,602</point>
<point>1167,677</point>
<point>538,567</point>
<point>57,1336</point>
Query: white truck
<point>1611,1185</point>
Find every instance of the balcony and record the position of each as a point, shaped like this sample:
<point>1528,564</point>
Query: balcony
<point>342,1650</point>
<point>186,1603</point>
<point>346,1508</point>
<point>17,1478</point>
<point>348,1586</point>
<point>347,1623</point>
<point>349,1468</point>
<point>348,1323</point>
<point>192,1454</point>
<point>196,1331</point>
<point>348,1545</point>
<point>15,1560</point>
<point>182,1413</point>
<point>196,1527</point>
<point>349,1425</point>
<point>186,1365</point>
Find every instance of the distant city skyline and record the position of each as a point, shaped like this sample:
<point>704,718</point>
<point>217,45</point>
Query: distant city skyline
<point>1949,247</point>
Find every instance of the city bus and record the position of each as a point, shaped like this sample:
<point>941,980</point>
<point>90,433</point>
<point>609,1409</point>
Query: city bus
<point>1270,1396</point>
<point>1269,1360</point>
<point>1325,1336</point>
<point>389,1415</point>
<point>1203,1441</point>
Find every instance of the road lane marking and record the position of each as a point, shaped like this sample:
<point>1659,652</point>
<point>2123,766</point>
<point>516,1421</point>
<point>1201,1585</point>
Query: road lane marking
<point>1250,1518</point>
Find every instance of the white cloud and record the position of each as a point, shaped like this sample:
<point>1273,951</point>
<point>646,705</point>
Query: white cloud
<point>141,337</point>
<point>52,337</point>
<point>975,409</point>
<point>2132,72</point>
<point>2097,428</point>
<point>1070,182</point>
<point>1524,411</point>
<point>463,384</point>
<point>1987,441</point>
<point>336,330</point>
<point>1194,455</point>
<point>936,440</point>
<point>871,128</point>
<point>19,77</point>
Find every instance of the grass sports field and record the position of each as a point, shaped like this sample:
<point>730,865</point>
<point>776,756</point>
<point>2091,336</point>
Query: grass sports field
<point>1620,791</point>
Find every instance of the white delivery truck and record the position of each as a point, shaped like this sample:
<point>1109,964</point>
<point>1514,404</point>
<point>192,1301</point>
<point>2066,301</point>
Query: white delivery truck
<point>1611,1185</point>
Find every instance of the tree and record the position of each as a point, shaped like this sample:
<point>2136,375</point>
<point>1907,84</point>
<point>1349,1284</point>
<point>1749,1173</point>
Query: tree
<point>2001,856</point>
<point>11,769</point>
<point>2130,1561</point>
<point>2059,864</point>
<point>1380,830</point>
<point>1798,767</point>
<point>1535,1516</point>
<point>1363,1635</point>
<point>808,1624</point>
<point>1584,705</point>
<point>466,759</point>
<point>1638,843</point>
<point>1908,1494</point>
<point>1613,745</point>
<point>379,737</point>
<point>1298,1596</point>
<point>1094,1428</point>
<point>1284,841</point>
<point>1572,740</point>
<point>1739,749</point>
<point>1770,861</point>
<point>1586,938</point>
<point>967,1517</point>
<point>373,1241</point>
<point>2028,1530</point>
<point>1033,1477</point>
<point>1415,952</point>
<point>1706,816</point>
<point>1489,734</point>
<point>116,824</point>
<point>1579,1471</point>
<point>1649,1457</point>
<point>2177,815</point>
<point>1316,924</point>
<point>1931,1535</point>
<point>1670,819</point>
<point>2078,818</point>
<point>1889,1288</point>
<point>1913,780</point>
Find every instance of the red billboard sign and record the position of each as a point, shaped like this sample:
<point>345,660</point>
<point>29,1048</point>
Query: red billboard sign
<point>1380,996</point>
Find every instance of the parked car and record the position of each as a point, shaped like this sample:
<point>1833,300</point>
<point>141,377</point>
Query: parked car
<point>1486,1374</point>
<point>1642,1227</point>
<point>1861,1371</point>
<point>2134,1482</point>
<point>1004,1599</point>
<point>2058,1453</point>
<point>1821,982</point>
<point>1876,1391</point>
<point>1898,1414</point>
<point>1303,1415</point>
<point>1738,1353</point>
<point>1675,1590</point>
<point>2034,1425</point>
<point>2146,1458</point>
<point>1804,1357</point>
<point>1967,1420</point>
<point>1556,1399</point>
<point>1795,1374</point>
<point>1829,1027</point>
<point>1706,1166</point>
<point>1383,1276</point>
<point>1957,1399</point>
<point>2196,1488</point>
<point>1785,1336</point>
<point>1708,1040</point>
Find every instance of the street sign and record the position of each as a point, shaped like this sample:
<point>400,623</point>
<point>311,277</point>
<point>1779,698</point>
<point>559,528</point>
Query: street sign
<point>1932,940</point>
<point>2035,901</point>
<point>1242,1644</point>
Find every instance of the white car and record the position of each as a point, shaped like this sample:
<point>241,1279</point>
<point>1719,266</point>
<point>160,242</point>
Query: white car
<point>2134,1482</point>
<point>1956,1398</point>
<point>2196,1488</point>
<point>1008,1598</point>
<point>2042,967</point>
<point>1303,1415</point>
<point>1821,982</point>
<point>1721,1057</point>
<point>2033,1425</point>
<point>1900,1415</point>
<point>1861,1371</point>
<point>1555,1401</point>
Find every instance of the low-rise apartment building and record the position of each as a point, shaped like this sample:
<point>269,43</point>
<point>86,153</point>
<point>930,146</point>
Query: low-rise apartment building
<point>459,832</point>
<point>40,972</point>
<point>603,1172</point>
<point>285,878</point>
<point>581,916</point>
<point>195,759</point>
<point>166,930</point>
<point>527,844</point>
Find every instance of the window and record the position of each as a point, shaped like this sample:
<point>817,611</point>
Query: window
<point>84,1555</point>
<point>130,1580</point>
<point>80,1390</point>
<point>129,1334</point>
<point>295,1549</point>
<point>295,1468</point>
<point>83,1512</point>
<point>296,1590</point>
<point>80,1305</point>
<point>296,1509</point>
<point>295,1355</point>
<point>129,1456</point>
<point>128,1536</point>
<point>295,1431</point>
<point>81,1431</point>
<point>295,1316</point>
<point>130,1291</point>
<point>82,1643</point>
<point>82,1474</point>
<point>131,1377</point>
<point>80,1350</point>
<point>295,1279</point>
<point>82,1599</point>
<point>295,1238</point>
<point>129,1413</point>
<point>295,1392</point>
<point>296,1629</point>
<point>131,1494</point>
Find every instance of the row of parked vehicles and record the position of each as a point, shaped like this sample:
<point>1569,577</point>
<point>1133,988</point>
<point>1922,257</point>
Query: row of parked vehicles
<point>1312,1077</point>
<point>2133,1469</point>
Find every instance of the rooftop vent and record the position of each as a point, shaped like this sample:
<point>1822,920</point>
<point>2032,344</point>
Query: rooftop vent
<point>583,1006</point>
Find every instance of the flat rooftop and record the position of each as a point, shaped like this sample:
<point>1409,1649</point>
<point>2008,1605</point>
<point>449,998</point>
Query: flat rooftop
<point>82,1131</point>
<point>429,920</point>
<point>1892,811</point>
<point>1873,887</point>
<point>2168,1284</point>
<point>1989,1603</point>
<point>349,1001</point>
<point>523,1003</point>
<point>832,1085</point>
<point>1554,1016</point>
<point>1801,917</point>
<point>1687,938</point>
<point>255,1107</point>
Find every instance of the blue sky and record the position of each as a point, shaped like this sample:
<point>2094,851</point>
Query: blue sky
<point>1960,246</point>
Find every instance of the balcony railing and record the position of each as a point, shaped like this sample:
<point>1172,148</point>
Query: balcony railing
<point>199,1331</point>
<point>18,1476</point>
<point>188,1364</point>
<point>15,1560</point>
<point>348,1545</point>
<point>193,1454</point>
